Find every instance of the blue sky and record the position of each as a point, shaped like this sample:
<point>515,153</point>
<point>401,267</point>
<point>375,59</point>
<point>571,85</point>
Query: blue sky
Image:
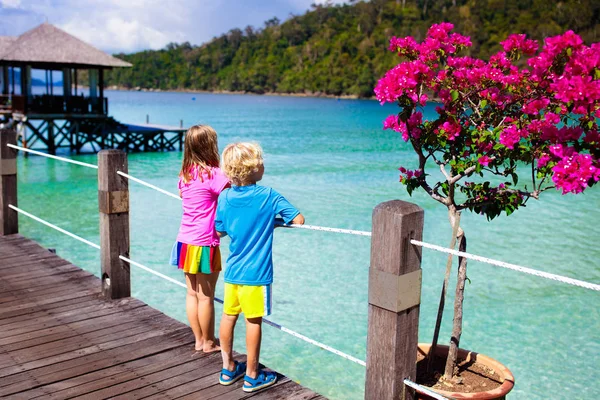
<point>132,25</point>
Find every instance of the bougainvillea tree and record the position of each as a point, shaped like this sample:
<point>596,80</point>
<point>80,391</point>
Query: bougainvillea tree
<point>505,130</point>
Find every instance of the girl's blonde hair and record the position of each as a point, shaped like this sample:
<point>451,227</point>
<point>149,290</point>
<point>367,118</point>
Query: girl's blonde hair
<point>240,160</point>
<point>200,151</point>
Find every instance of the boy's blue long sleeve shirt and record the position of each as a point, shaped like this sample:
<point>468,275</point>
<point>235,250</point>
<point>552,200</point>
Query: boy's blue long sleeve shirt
<point>247,214</point>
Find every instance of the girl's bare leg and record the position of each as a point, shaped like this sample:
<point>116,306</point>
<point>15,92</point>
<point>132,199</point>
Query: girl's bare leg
<point>206,309</point>
<point>191,308</point>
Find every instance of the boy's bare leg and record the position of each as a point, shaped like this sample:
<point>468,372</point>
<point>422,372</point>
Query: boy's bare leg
<point>226,339</point>
<point>206,310</point>
<point>191,308</point>
<point>253,338</point>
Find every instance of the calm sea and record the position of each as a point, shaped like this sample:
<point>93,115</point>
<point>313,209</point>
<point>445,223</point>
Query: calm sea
<point>331,159</point>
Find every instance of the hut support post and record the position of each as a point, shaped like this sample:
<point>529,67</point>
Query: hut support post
<point>4,79</point>
<point>113,204</point>
<point>26,71</point>
<point>394,299</point>
<point>101,109</point>
<point>66,72</point>
<point>93,75</point>
<point>9,221</point>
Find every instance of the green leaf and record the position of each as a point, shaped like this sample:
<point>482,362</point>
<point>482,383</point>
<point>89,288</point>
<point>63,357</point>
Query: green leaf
<point>483,103</point>
<point>515,178</point>
<point>454,95</point>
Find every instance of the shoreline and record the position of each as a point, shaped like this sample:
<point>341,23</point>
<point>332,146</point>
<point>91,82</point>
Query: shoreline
<point>198,91</point>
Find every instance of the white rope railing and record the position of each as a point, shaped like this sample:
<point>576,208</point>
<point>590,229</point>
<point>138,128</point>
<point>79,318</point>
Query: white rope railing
<point>326,229</point>
<point>514,267</point>
<point>424,390</point>
<point>39,153</point>
<point>265,320</point>
<point>174,281</point>
<point>309,227</point>
<point>151,186</point>
<point>525,270</point>
<point>48,224</point>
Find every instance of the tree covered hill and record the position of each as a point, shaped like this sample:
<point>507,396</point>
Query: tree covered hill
<point>342,49</point>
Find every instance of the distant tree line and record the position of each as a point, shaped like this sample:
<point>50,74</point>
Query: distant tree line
<point>342,49</point>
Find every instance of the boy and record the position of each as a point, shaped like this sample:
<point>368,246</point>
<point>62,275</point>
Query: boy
<point>246,213</point>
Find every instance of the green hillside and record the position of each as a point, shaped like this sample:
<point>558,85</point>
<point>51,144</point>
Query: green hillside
<point>341,50</point>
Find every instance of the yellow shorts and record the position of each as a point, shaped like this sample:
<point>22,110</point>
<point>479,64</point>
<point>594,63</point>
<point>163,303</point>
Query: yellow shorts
<point>253,301</point>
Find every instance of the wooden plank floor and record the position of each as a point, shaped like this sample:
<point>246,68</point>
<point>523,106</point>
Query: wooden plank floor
<point>60,339</point>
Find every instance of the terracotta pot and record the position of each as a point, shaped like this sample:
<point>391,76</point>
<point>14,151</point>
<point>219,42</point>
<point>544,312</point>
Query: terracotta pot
<point>498,393</point>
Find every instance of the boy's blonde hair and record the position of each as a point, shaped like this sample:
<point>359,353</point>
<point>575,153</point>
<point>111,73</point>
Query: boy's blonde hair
<point>240,160</point>
<point>200,151</point>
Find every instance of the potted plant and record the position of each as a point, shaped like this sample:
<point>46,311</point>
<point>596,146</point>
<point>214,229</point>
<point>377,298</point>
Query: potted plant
<point>506,130</point>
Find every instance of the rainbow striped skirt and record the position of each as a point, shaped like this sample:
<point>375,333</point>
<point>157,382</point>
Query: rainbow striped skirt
<point>196,259</point>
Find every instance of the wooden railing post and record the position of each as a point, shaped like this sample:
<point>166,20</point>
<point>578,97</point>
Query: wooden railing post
<point>9,219</point>
<point>113,204</point>
<point>394,298</point>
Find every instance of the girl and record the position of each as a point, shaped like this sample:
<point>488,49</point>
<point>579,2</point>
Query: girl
<point>197,248</point>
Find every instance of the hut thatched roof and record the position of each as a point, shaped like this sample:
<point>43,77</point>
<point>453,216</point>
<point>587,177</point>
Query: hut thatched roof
<point>46,44</point>
<point>5,42</point>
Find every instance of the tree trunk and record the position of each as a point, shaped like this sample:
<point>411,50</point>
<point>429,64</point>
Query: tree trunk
<point>454,217</point>
<point>458,312</point>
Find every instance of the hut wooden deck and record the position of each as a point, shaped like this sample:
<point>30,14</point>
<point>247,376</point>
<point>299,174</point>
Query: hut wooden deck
<point>60,339</point>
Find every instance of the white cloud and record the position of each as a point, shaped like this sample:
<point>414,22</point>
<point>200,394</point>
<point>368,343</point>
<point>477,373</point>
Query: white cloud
<point>118,34</point>
<point>10,3</point>
<point>133,25</point>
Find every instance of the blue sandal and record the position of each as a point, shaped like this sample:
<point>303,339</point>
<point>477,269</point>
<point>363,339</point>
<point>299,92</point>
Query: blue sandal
<point>263,380</point>
<point>234,376</point>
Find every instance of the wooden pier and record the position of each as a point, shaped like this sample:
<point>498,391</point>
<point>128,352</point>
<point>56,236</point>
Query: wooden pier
<point>60,338</point>
<point>65,333</point>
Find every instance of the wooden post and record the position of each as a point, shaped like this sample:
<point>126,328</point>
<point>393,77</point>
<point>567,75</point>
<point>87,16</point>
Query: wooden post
<point>51,142</point>
<point>113,204</point>
<point>147,119</point>
<point>394,298</point>
<point>9,221</point>
<point>101,90</point>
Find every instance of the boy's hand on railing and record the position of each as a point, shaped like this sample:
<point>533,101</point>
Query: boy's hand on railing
<point>298,220</point>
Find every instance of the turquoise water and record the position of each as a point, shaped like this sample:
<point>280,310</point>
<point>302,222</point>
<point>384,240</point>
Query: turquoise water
<point>332,160</point>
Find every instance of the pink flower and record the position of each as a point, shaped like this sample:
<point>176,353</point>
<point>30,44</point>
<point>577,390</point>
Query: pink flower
<point>534,107</point>
<point>519,43</point>
<point>401,80</point>
<point>543,160</point>
<point>440,31</point>
<point>484,160</point>
<point>407,174</point>
<point>511,136</point>
<point>573,174</point>
<point>561,151</point>
<point>451,129</point>
<point>403,46</point>
<point>556,44</point>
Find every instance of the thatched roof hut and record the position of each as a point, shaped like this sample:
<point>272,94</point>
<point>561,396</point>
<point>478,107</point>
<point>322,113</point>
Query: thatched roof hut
<point>51,49</point>
<point>47,46</point>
